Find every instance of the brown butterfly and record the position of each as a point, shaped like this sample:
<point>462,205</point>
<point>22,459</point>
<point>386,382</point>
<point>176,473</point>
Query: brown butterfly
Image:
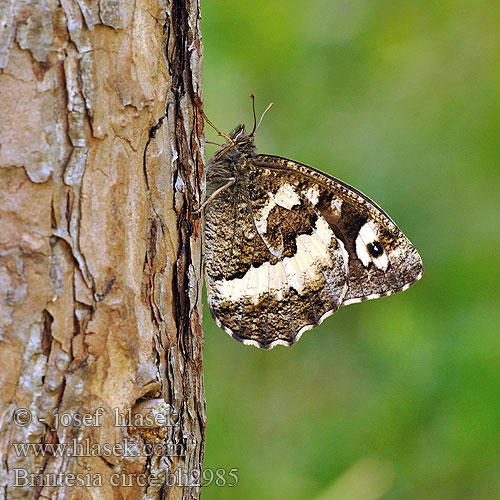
<point>286,245</point>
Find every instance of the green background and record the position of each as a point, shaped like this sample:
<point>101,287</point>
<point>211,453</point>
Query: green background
<point>396,398</point>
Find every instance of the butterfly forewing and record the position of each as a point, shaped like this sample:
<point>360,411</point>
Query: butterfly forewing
<point>381,258</point>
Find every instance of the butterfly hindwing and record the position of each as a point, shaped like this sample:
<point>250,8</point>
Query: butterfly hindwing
<point>275,267</point>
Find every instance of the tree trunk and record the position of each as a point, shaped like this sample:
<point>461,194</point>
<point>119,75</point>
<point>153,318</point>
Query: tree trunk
<point>100,255</point>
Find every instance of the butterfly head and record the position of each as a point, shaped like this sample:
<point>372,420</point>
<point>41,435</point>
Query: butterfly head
<point>239,142</point>
<point>242,142</point>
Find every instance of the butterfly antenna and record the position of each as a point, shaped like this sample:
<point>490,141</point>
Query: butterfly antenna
<point>228,139</point>
<point>260,121</point>
<point>254,115</point>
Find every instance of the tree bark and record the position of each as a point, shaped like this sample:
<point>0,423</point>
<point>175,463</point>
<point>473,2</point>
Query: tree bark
<point>100,255</point>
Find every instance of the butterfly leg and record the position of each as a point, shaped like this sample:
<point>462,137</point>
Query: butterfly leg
<point>228,139</point>
<point>216,193</point>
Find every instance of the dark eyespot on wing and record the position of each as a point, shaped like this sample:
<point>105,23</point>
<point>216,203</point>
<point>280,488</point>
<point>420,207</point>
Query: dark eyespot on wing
<point>375,249</point>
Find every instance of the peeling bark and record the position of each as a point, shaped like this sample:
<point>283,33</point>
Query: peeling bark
<point>100,258</point>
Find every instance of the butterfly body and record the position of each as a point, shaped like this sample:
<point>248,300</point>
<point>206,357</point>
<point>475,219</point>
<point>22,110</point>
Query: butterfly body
<point>286,245</point>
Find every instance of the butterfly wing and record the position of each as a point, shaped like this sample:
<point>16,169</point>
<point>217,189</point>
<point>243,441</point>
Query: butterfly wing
<point>274,266</point>
<point>381,259</point>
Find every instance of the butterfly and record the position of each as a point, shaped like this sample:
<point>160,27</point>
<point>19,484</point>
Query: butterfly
<point>286,245</point>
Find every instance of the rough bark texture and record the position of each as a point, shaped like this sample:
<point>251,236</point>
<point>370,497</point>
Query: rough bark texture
<point>100,258</point>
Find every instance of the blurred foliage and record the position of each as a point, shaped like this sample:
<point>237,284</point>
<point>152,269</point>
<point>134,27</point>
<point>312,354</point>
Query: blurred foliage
<point>401,100</point>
